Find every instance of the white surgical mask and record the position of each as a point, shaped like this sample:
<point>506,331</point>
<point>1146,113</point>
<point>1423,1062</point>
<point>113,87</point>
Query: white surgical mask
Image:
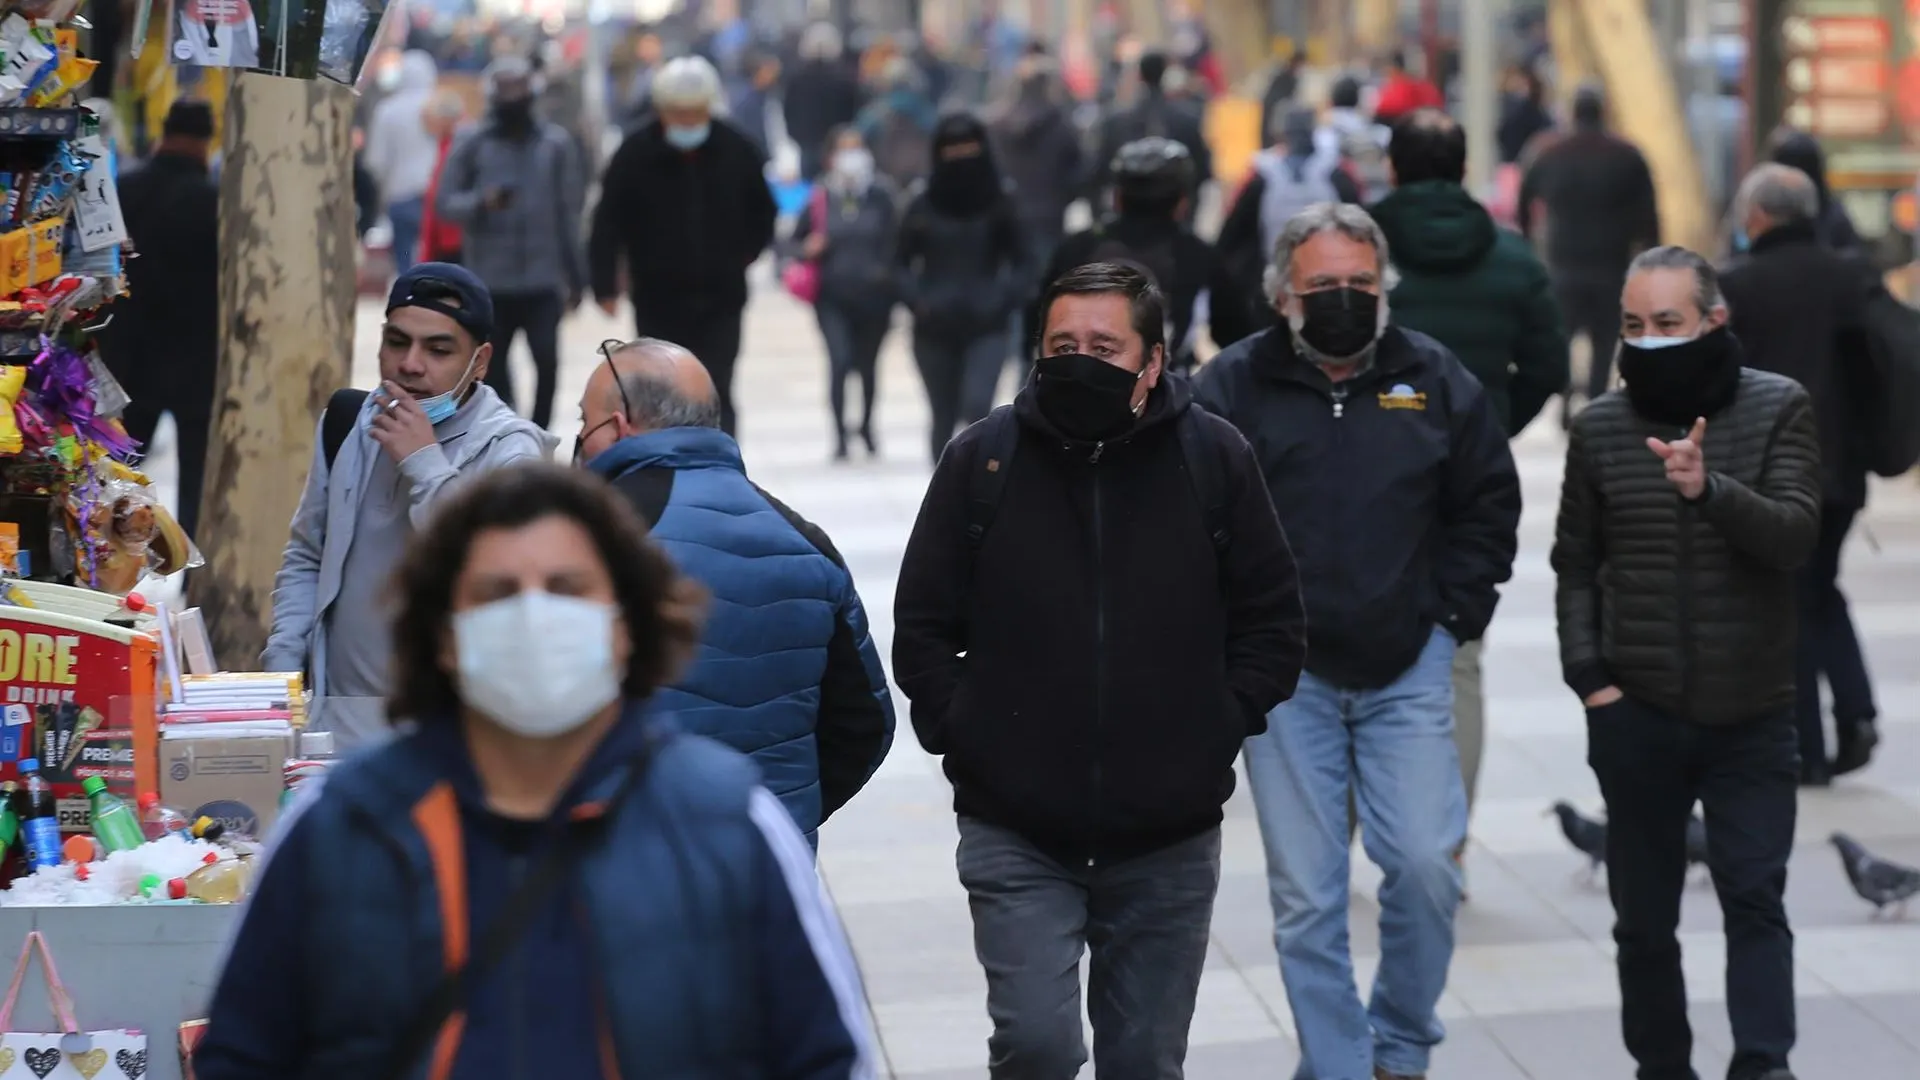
<point>537,664</point>
<point>1657,342</point>
<point>855,165</point>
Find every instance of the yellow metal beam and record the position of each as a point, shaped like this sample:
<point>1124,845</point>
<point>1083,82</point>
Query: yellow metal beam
<point>1645,107</point>
<point>1376,25</point>
<point>1571,57</point>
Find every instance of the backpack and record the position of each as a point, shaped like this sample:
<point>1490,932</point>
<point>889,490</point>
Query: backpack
<point>1367,159</point>
<point>902,150</point>
<point>1891,436</point>
<point>1002,437</point>
<point>1291,185</point>
<point>343,408</point>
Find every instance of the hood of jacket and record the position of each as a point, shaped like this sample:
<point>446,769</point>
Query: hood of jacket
<point>487,418</point>
<point>418,73</point>
<point>669,448</point>
<point>1165,402</point>
<point>1435,226</point>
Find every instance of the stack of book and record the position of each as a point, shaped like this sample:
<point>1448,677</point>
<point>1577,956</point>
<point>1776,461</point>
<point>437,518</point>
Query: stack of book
<point>237,703</point>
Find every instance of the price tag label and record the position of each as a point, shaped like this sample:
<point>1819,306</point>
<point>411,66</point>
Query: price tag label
<point>96,211</point>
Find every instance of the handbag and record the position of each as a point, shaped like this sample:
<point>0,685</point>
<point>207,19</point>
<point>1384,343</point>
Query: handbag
<point>802,276</point>
<point>67,1054</point>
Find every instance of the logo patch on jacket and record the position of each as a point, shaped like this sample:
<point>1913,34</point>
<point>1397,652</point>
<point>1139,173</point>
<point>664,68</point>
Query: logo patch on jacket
<point>1403,396</point>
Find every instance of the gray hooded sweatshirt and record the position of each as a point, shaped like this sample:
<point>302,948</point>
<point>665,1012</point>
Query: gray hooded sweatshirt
<point>332,599</point>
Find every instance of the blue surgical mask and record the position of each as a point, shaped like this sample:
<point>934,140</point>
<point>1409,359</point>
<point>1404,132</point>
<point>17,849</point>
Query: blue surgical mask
<point>1740,241</point>
<point>1651,343</point>
<point>439,407</point>
<point>689,138</point>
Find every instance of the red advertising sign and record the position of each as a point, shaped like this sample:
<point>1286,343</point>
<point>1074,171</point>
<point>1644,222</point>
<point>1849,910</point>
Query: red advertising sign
<point>1841,118</point>
<point>1836,34</point>
<point>1838,76</point>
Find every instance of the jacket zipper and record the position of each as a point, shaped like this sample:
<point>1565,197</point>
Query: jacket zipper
<point>1685,581</point>
<point>1099,653</point>
<point>516,1007</point>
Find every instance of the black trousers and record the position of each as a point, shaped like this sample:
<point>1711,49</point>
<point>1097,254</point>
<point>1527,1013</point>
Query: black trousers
<point>537,315</point>
<point>1828,645</point>
<point>1591,305</point>
<point>712,337</point>
<point>961,375</point>
<point>190,433</point>
<point>853,338</point>
<point>1652,768</point>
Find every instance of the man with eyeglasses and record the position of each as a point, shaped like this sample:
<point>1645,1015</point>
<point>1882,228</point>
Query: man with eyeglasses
<point>787,670</point>
<point>381,461</point>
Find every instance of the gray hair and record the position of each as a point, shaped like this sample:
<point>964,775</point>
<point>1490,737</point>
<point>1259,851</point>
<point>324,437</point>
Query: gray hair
<point>1706,281</point>
<point>1346,219</point>
<point>653,402</point>
<point>821,41</point>
<point>1781,192</point>
<point>687,82</point>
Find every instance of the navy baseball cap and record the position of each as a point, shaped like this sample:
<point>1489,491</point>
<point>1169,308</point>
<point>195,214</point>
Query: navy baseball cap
<point>451,290</point>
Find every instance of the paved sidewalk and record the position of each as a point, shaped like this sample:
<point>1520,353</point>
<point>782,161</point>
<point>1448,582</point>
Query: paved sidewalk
<point>1532,991</point>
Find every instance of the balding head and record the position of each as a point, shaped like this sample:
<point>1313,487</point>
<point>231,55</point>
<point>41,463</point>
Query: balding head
<point>645,385</point>
<point>1773,196</point>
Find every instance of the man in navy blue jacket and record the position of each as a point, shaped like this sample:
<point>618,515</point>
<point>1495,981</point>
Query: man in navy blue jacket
<point>787,671</point>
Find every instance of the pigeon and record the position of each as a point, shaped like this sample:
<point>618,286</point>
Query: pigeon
<point>1587,836</point>
<point>1878,881</point>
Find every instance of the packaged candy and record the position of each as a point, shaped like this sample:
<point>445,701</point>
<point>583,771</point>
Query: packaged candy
<point>13,378</point>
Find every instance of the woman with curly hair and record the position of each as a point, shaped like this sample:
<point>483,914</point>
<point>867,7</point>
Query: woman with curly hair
<point>537,876</point>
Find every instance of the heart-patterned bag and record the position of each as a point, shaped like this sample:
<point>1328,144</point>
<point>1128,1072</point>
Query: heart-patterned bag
<point>67,1054</point>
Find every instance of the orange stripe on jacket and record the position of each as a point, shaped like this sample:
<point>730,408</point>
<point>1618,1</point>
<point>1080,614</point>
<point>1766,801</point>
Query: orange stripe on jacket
<point>437,816</point>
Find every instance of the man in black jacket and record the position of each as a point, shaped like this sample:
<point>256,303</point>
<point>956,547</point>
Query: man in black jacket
<point>1152,115</point>
<point>685,202</point>
<point>1799,308</point>
<point>1096,606</point>
<point>1689,502</point>
<point>1600,211</point>
<point>162,343</point>
<point>1386,459</point>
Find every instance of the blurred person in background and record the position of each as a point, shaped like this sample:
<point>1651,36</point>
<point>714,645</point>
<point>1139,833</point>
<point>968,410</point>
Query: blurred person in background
<point>963,266</point>
<point>1480,291</point>
<point>685,206</point>
<point>1401,91</point>
<point>1040,151</point>
<point>1799,308</point>
<point>786,670</point>
<point>381,462</point>
<point>1153,114</point>
<point>1300,169</point>
<point>402,154</point>
<point>515,187</point>
<point>1600,211</point>
<point>1799,150</point>
<point>820,95</point>
<point>632,89</point>
<point>1357,139</point>
<point>852,231</point>
<point>1150,182</point>
<point>1282,87</point>
<point>439,238</point>
<point>898,125</point>
<point>163,342</point>
<point>753,95</point>
<point>1523,112</point>
<point>467,894</point>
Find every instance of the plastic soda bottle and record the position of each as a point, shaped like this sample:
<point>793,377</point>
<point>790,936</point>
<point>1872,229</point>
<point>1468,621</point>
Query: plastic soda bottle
<point>114,825</point>
<point>157,819</point>
<point>39,816</point>
<point>222,882</point>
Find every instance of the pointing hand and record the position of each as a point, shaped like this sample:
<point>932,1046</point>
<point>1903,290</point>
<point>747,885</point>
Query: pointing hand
<point>1686,467</point>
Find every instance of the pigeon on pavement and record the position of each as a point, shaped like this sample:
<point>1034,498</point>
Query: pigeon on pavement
<point>1588,837</point>
<point>1878,881</point>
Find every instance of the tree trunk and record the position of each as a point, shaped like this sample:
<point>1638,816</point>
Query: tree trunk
<point>286,341</point>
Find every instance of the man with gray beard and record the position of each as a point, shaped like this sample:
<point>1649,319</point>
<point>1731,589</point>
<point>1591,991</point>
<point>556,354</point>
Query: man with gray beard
<point>1392,477</point>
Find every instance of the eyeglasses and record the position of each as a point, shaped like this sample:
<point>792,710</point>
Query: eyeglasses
<point>607,349</point>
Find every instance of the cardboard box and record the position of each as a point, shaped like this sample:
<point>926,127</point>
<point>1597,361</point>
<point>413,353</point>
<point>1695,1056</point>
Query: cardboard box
<point>31,256</point>
<point>236,781</point>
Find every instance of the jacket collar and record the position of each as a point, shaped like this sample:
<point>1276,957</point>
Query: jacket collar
<point>1799,232</point>
<point>669,448</point>
<point>1275,357</point>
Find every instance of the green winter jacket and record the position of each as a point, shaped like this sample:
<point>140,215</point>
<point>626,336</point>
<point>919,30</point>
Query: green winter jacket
<point>1480,291</point>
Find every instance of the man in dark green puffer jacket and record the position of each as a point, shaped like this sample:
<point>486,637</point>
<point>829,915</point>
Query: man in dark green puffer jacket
<point>1480,291</point>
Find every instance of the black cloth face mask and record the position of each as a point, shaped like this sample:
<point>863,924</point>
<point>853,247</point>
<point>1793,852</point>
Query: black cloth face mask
<point>1678,384</point>
<point>1339,323</point>
<point>1085,397</point>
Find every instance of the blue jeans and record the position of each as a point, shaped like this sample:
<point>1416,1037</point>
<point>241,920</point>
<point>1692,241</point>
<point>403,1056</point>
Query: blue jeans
<point>405,216</point>
<point>1393,748</point>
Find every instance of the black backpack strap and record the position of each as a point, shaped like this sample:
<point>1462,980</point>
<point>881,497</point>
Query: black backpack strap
<point>1205,470</point>
<point>1000,436</point>
<point>343,408</point>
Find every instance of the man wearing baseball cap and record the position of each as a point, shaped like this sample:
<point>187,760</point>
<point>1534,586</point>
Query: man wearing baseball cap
<point>381,460</point>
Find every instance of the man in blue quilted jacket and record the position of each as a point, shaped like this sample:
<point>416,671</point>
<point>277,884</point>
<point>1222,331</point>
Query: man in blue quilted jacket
<point>787,671</point>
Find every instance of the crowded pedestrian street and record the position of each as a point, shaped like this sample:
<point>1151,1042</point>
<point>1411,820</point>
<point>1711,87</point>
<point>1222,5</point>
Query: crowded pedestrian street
<point>1532,991</point>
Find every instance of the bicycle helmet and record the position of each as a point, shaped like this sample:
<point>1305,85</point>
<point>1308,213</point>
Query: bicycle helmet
<point>1153,169</point>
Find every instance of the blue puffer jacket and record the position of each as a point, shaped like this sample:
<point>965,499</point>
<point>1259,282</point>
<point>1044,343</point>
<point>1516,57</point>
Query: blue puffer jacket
<point>787,670</point>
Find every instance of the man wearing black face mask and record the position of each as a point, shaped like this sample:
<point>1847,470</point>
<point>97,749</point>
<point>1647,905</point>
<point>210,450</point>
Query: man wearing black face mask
<point>1096,606</point>
<point>1690,500</point>
<point>1388,463</point>
<point>516,187</point>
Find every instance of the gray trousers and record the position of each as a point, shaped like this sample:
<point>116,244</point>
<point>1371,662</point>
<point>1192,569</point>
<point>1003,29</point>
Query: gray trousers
<point>1144,923</point>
